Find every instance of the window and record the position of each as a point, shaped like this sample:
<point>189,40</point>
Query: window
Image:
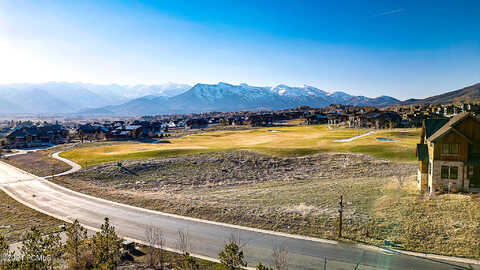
<point>445,172</point>
<point>454,172</point>
<point>449,172</point>
<point>445,149</point>
<point>453,148</point>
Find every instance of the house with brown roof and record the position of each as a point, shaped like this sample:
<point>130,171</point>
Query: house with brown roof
<point>36,135</point>
<point>449,155</point>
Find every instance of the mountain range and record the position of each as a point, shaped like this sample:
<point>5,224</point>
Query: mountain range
<point>62,98</point>
<point>227,97</point>
<point>120,100</point>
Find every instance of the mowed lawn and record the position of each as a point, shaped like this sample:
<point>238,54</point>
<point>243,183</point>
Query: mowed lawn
<point>277,141</point>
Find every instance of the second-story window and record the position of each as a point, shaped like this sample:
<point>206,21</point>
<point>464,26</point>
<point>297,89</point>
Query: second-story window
<point>454,148</point>
<point>445,148</point>
<point>450,148</point>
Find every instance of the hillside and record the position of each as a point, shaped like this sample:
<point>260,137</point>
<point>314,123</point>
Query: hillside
<point>469,93</point>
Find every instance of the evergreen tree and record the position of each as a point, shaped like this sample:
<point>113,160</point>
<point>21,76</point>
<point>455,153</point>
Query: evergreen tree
<point>189,263</point>
<point>260,266</point>
<point>106,247</point>
<point>53,248</point>
<point>33,251</point>
<point>232,257</point>
<point>6,256</point>
<point>75,245</point>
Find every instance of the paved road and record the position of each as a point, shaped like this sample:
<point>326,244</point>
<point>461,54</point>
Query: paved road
<point>75,167</point>
<point>206,237</point>
<point>23,151</point>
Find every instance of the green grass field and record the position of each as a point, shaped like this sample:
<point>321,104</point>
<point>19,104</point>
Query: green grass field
<point>288,141</point>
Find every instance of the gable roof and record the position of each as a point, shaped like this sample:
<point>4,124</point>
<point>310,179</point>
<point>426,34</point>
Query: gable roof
<point>432,125</point>
<point>449,126</point>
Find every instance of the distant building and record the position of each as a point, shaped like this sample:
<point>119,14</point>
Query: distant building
<point>197,123</point>
<point>449,154</point>
<point>315,119</point>
<point>32,136</point>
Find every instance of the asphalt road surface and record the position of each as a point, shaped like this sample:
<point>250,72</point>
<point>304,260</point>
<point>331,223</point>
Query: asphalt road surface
<point>206,238</point>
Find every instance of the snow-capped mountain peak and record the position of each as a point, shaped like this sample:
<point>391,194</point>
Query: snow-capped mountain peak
<point>306,90</point>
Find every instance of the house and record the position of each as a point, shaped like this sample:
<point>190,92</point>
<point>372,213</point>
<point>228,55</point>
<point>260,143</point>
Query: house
<point>196,123</point>
<point>260,120</point>
<point>315,119</point>
<point>32,136</point>
<point>337,118</point>
<point>449,154</point>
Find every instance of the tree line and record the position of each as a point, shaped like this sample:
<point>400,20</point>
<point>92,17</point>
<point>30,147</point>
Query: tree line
<point>105,250</point>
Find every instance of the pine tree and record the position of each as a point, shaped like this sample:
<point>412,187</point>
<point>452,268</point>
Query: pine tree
<point>75,245</point>
<point>232,257</point>
<point>33,251</point>
<point>53,248</point>
<point>6,256</point>
<point>189,263</point>
<point>260,266</point>
<point>106,247</point>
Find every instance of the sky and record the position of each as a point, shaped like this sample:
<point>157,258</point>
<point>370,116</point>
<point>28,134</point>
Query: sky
<point>405,49</point>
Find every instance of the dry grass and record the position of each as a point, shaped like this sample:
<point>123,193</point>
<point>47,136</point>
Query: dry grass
<point>289,141</point>
<point>16,219</point>
<point>39,163</point>
<point>446,224</point>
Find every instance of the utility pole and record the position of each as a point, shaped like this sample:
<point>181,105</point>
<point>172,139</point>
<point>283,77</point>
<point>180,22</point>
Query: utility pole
<point>340,220</point>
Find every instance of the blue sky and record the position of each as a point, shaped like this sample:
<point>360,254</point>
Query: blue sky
<point>399,48</point>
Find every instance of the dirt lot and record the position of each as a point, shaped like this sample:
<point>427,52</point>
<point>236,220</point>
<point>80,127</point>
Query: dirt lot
<point>40,162</point>
<point>235,168</point>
